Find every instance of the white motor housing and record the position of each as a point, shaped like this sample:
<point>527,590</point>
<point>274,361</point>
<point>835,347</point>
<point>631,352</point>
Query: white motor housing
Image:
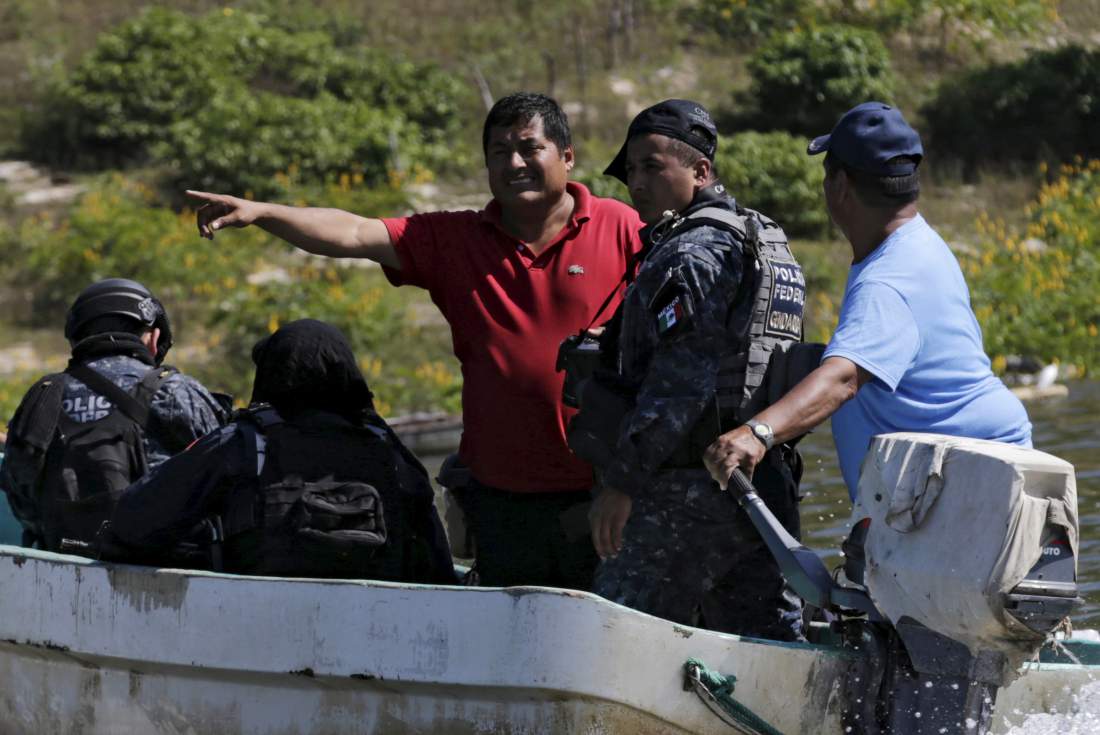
<point>958,528</point>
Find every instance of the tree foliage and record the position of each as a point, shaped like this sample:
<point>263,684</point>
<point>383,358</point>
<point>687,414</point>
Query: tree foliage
<point>230,98</point>
<point>1035,292</point>
<point>224,295</point>
<point>803,80</point>
<point>770,172</point>
<point>1045,106</point>
<point>948,25</point>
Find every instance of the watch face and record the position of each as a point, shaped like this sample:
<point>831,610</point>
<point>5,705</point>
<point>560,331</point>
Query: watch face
<point>763,432</point>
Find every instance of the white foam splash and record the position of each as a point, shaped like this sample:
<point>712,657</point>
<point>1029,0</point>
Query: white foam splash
<point>1084,719</point>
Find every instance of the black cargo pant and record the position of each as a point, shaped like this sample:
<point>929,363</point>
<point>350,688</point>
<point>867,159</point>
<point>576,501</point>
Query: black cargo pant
<point>530,538</point>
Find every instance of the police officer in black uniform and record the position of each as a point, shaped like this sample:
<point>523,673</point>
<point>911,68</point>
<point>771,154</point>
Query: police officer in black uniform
<point>716,294</point>
<point>309,481</point>
<point>120,335</point>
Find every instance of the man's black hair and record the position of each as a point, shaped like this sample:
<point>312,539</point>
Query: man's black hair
<point>521,108</point>
<point>112,323</point>
<point>879,192</point>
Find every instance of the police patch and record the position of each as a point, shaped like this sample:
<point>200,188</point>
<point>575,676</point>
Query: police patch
<point>786,299</point>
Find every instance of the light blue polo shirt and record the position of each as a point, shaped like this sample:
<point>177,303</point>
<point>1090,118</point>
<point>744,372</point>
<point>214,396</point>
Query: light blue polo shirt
<point>906,319</point>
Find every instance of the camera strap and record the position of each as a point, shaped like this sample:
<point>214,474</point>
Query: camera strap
<point>631,271</point>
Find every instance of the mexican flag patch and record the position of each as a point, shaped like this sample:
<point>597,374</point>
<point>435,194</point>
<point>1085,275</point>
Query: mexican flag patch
<point>670,316</point>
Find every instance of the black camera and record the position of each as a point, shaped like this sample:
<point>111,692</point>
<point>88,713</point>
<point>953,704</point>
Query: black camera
<point>579,357</point>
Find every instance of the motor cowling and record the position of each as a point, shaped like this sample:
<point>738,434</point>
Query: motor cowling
<point>968,549</point>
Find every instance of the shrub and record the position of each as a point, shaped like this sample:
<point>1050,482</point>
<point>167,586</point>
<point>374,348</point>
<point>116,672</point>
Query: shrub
<point>950,25</point>
<point>743,22</point>
<point>223,295</point>
<point>231,98</point>
<point>771,172</point>
<point>1042,107</point>
<point>601,185</point>
<point>1035,294</point>
<point>804,80</point>
<point>117,229</point>
<point>407,364</point>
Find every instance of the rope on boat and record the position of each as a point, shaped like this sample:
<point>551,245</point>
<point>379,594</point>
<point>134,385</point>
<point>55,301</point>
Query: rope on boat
<point>716,692</point>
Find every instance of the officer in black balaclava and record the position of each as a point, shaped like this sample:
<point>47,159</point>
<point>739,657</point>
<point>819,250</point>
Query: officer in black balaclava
<point>311,427</point>
<point>119,334</point>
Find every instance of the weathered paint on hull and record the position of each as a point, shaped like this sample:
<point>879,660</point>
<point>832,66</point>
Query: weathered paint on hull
<point>116,697</point>
<point>95,648</point>
<point>112,649</point>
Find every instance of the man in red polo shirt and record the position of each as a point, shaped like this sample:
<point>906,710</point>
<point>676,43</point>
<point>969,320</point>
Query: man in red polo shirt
<point>513,280</point>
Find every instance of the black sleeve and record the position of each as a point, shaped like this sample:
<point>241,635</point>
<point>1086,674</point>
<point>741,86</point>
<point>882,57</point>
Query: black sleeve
<point>160,509</point>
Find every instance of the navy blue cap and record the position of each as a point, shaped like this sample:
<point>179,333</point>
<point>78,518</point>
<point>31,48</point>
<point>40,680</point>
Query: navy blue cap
<point>868,136</point>
<point>683,120</point>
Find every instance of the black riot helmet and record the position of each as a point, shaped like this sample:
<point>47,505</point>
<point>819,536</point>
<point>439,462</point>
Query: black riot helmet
<point>118,297</point>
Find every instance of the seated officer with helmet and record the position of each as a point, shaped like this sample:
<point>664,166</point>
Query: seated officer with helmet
<point>307,482</point>
<point>717,292</point>
<point>81,436</point>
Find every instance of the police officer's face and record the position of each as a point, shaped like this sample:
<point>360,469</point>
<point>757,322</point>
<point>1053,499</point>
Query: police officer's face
<point>524,166</point>
<point>658,181</point>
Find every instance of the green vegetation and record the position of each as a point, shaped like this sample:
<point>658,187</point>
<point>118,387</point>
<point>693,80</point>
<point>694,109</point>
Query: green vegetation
<point>348,104</point>
<point>771,172</point>
<point>949,25</point>
<point>1035,292</point>
<point>223,295</point>
<point>227,100</point>
<point>1044,107</point>
<point>745,22</point>
<point>803,80</point>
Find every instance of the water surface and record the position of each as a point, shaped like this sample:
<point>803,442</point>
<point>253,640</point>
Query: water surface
<point>1068,428</point>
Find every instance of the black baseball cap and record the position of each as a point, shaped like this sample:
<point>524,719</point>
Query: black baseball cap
<point>683,120</point>
<point>868,136</point>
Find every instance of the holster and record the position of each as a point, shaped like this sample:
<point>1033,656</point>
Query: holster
<point>594,431</point>
<point>789,365</point>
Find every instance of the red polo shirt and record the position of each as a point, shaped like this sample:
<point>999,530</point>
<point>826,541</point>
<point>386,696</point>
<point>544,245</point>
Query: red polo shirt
<point>509,310</point>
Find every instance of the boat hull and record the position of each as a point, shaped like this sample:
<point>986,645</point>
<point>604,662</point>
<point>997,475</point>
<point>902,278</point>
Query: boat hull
<point>100,648</point>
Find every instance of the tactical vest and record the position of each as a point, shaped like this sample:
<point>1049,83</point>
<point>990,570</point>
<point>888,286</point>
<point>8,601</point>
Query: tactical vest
<point>75,472</point>
<point>312,505</point>
<point>774,322</point>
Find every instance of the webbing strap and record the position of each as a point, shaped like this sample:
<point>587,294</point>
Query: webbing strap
<point>716,692</point>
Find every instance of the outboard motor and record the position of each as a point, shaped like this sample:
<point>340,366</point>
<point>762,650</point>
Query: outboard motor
<point>960,566</point>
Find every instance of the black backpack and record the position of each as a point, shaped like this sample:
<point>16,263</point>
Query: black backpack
<point>64,477</point>
<point>286,521</point>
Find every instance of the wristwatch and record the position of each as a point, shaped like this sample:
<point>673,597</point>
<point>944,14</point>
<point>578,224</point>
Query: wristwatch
<point>763,432</point>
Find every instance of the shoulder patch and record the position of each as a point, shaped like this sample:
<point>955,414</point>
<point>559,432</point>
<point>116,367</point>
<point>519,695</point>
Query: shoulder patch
<point>673,305</point>
<point>670,315</point>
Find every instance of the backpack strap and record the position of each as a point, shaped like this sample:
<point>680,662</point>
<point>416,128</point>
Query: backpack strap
<point>137,410</point>
<point>151,382</point>
<point>255,423</point>
<point>741,224</point>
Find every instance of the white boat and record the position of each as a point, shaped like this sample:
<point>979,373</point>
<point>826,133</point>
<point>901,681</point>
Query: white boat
<point>90,647</point>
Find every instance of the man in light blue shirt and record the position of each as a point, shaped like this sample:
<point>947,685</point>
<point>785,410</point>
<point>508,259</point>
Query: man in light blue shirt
<point>907,354</point>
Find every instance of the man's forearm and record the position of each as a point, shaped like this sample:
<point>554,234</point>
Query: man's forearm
<point>330,232</point>
<point>813,400</point>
